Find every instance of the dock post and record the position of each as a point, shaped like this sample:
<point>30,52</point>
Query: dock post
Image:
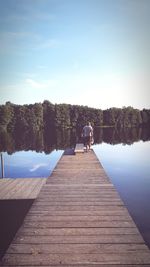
<point>2,166</point>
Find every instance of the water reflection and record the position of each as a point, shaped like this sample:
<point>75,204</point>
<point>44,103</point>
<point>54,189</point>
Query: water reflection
<point>62,138</point>
<point>30,164</point>
<point>129,169</point>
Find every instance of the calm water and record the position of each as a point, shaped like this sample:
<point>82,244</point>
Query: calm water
<point>124,155</point>
<point>128,167</point>
<point>30,163</point>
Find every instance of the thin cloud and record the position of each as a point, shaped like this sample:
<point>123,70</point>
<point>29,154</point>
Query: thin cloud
<point>41,85</point>
<point>18,41</point>
<point>44,16</point>
<point>26,11</point>
<point>39,16</point>
<point>41,67</point>
<point>36,16</point>
<point>15,18</point>
<point>49,43</point>
<point>24,42</point>
<point>26,74</point>
<point>18,35</point>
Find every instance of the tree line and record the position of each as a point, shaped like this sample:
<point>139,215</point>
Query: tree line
<point>45,116</point>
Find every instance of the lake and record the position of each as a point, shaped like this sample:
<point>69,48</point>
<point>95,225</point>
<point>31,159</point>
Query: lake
<point>128,167</point>
<point>24,164</point>
<point>124,156</point>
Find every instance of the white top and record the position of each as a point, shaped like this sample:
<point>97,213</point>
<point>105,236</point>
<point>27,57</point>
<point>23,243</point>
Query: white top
<point>87,130</point>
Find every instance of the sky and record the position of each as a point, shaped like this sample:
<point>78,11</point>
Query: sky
<point>84,52</point>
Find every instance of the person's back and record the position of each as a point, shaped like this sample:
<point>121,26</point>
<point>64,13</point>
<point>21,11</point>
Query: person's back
<point>87,130</point>
<point>87,133</point>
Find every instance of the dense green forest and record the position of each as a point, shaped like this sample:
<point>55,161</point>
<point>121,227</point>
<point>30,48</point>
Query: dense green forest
<point>45,116</point>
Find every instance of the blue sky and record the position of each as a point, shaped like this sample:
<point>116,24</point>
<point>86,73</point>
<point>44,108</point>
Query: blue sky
<point>86,52</point>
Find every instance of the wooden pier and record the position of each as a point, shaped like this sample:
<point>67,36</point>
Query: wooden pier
<point>78,219</point>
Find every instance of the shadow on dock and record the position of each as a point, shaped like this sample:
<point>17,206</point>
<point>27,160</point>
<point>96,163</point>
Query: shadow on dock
<point>12,214</point>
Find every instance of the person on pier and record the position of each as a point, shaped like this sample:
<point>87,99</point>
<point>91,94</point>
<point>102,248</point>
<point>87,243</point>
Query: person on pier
<point>87,134</point>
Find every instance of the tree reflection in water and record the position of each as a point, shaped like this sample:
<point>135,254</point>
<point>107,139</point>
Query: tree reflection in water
<point>59,138</point>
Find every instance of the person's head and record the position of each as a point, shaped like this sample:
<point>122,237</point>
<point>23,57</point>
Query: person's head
<point>89,124</point>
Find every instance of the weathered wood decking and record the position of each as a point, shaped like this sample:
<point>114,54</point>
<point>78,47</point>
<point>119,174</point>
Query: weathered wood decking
<point>78,219</point>
<point>79,148</point>
<point>20,188</point>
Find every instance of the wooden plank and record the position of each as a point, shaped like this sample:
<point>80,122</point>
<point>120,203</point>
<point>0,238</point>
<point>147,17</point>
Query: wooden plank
<point>77,203</point>
<point>78,212</point>
<point>87,265</point>
<point>76,224</point>
<point>75,248</point>
<point>69,218</point>
<point>85,193</point>
<point>35,192</point>
<point>74,258</point>
<point>78,186</point>
<point>80,192</point>
<point>21,188</point>
<point>101,239</point>
<point>4,183</point>
<point>34,188</point>
<point>75,198</point>
<point>78,171</point>
<point>74,182</point>
<point>90,208</point>
<point>8,188</point>
<point>79,148</point>
<point>79,231</point>
<point>78,195</point>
